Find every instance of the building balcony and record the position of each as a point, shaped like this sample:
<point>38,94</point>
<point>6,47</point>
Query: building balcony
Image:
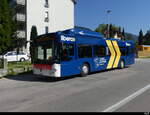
<point>21,34</point>
<point>20,9</point>
<point>21,17</point>
<point>46,5</point>
<point>20,2</point>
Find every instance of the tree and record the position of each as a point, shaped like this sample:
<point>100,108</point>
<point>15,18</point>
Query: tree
<point>119,32</point>
<point>129,36</point>
<point>146,38</point>
<point>6,25</point>
<point>33,35</point>
<point>102,28</point>
<point>140,38</point>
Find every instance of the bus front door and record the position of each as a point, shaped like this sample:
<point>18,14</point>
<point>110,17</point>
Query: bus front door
<point>68,62</point>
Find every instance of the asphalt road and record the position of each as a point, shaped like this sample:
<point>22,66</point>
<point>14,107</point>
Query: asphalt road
<point>95,93</point>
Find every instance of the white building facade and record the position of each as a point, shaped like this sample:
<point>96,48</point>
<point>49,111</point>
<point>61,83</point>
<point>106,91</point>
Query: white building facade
<point>46,15</point>
<point>49,16</point>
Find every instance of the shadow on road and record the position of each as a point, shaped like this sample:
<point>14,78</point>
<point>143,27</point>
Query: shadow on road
<point>29,77</point>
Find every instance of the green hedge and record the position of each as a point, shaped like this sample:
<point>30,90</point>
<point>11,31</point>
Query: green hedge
<point>19,64</point>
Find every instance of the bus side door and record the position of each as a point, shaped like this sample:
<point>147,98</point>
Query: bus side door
<point>68,62</point>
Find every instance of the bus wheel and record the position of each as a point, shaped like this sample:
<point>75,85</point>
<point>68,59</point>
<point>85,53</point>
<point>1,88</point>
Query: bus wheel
<point>122,65</point>
<point>84,70</point>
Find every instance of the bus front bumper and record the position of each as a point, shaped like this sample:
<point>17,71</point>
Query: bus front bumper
<point>55,71</point>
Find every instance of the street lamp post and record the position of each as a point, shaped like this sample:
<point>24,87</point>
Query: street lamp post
<point>108,25</point>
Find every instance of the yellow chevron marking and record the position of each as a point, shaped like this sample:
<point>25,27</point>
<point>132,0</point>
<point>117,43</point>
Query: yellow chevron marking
<point>113,54</point>
<point>118,54</point>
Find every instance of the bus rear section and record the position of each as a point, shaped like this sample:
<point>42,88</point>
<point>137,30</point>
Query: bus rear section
<point>130,53</point>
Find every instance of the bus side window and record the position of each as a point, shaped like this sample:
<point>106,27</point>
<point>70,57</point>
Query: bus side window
<point>84,51</point>
<point>99,51</point>
<point>67,50</point>
<point>64,52</point>
<point>71,49</point>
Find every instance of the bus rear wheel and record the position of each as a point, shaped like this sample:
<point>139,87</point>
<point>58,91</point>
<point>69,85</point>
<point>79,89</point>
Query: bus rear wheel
<point>84,70</point>
<point>122,64</point>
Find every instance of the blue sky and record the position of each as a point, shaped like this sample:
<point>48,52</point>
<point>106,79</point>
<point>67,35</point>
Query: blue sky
<point>133,15</point>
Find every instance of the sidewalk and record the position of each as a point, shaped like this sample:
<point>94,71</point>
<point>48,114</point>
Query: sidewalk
<point>4,72</point>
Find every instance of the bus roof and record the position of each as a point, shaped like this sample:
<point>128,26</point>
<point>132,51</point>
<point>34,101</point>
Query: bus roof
<point>83,32</point>
<point>78,31</point>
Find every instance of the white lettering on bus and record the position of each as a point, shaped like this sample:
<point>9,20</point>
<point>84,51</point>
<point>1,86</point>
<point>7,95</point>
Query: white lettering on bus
<point>63,38</point>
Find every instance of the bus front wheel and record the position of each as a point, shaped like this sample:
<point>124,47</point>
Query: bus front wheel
<point>84,70</point>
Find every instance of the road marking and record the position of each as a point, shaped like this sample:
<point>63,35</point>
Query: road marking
<point>126,100</point>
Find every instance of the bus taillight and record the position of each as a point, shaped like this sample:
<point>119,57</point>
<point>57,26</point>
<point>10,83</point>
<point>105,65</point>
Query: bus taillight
<point>42,66</point>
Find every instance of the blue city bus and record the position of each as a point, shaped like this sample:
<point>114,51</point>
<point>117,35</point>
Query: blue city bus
<point>79,51</point>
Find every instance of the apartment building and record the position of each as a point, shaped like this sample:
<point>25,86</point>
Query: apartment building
<point>46,15</point>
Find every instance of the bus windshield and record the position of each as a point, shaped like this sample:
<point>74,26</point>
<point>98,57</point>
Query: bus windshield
<point>45,52</point>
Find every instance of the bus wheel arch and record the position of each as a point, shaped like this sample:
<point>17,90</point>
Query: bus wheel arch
<point>85,69</point>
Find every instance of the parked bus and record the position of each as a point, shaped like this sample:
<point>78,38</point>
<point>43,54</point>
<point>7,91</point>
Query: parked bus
<point>79,51</point>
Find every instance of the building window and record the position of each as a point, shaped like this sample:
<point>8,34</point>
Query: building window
<point>46,4</point>
<point>46,16</point>
<point>46,29</point>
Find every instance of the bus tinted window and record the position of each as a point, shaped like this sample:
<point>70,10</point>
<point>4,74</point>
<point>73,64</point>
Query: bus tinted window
<point>123,51</point>
<point>84,51</point>
<point>99,51</point>
<point>71,49</point>
<point>66,51</point>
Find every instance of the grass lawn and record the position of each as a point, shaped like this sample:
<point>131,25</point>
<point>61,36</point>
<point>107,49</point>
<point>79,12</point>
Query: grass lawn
<point>24,64</point>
